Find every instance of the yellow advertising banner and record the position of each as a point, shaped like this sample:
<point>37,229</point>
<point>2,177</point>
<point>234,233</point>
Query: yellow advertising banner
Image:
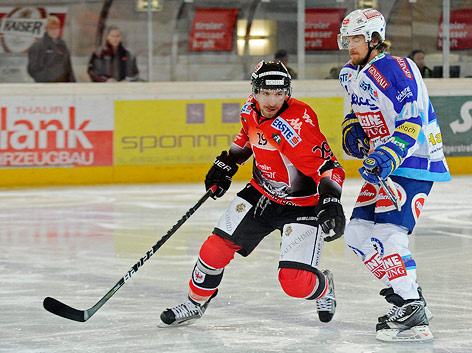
<point>163,132</point>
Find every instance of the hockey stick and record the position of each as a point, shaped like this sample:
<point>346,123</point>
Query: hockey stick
<point>394,198</point>
<point>390,194</point>
<point>58,308</point>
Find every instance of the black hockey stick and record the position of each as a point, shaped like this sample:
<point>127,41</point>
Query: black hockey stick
<point>58,308</point>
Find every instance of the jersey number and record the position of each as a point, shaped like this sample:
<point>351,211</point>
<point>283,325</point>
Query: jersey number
<point>262,141</point>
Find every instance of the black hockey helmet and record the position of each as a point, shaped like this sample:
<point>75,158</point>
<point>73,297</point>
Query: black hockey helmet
<point>271,75</point>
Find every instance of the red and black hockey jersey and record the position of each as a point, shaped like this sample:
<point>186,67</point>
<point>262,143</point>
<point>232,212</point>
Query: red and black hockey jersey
<point>291,155</point>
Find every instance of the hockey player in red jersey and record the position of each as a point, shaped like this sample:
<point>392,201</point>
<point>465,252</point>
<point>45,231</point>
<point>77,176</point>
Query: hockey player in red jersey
<point>295,188</point>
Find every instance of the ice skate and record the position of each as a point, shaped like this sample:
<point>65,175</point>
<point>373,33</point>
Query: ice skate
<point>407,322</point>
<point>326,306</point>
<point>184,314</point>
<point>386,292</point>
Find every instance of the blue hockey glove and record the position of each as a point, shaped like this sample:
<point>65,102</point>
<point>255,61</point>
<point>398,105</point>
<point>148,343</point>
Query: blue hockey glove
<point>355,140</point>
<point>385,159</point>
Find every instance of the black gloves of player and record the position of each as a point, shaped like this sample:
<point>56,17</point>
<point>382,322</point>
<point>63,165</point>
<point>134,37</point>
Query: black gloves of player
<point>221,173</point>
<point>330,216</point>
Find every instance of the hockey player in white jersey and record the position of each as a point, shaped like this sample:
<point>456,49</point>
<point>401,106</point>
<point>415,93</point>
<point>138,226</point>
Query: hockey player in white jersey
<point>394,128</point>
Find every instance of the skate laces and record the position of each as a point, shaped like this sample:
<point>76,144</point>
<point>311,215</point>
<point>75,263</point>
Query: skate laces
<point>391,312</point>
<point>398,312</point>
<point>187,309</point>
<point>325,303</point>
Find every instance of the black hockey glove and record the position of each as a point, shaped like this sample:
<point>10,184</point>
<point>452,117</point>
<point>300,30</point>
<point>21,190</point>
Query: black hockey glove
<point>330,216</point>
<point>221,174</point>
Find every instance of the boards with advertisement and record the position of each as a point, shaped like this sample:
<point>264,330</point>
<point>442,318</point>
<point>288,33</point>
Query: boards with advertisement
<point>55,132</point>
<point>192,131</point>
<point>455,117</point>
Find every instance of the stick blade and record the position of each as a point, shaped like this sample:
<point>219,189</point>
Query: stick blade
<point>60,309</point>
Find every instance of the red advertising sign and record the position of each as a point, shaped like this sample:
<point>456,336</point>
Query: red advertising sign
<point>212,29</point>
<point>322,28</point>
<point>20,27</point>
<point>460,32</point>
<point>51,135</point>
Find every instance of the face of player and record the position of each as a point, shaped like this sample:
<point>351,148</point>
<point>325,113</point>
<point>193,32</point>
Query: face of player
<point>358,49</point>
<point>114,38</point>
<point>270,101</point>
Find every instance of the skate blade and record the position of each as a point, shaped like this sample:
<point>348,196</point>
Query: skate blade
<point>415,334</point>
<point>176,324</point>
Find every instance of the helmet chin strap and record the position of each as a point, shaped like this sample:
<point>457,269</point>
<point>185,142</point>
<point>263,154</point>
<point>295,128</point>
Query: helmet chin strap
<point>366,59</point>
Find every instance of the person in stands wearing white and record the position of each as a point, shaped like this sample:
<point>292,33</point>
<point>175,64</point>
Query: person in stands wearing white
<point>394,128</point>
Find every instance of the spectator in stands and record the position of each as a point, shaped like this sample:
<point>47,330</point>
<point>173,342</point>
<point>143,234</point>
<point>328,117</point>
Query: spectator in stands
<point>282,56</point>
<point>418,57</point>
<point>112,62</point>
<point>49,58</point>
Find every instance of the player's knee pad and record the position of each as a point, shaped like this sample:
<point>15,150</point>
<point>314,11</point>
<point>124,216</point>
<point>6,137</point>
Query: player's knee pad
<point>301,283</point>
<point>357,236</point>
<point>217,252</point>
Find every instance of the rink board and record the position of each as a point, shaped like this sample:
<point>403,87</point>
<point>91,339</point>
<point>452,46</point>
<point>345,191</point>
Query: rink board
<point>169,132</point>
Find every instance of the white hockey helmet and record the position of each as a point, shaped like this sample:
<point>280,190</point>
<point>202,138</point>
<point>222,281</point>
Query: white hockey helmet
<point>365,22</point>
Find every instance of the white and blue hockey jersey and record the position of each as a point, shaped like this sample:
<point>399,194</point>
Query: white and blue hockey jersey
<point>391,102</point>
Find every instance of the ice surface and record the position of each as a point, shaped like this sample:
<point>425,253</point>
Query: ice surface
<point>75,243</point>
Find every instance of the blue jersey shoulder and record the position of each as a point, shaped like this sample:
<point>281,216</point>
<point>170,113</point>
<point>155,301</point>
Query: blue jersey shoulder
<point>395,78</point>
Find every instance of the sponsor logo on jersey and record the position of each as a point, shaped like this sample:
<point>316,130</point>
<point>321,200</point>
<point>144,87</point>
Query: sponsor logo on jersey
<point>307,118</point>
<point>409,129</point>
<point>360,101</point>
<point>368,88</point>
<point>287,131</point>
<point>375,265</point>
<point>397,141</point>
<point>368,195</point>
<point>246,108</point>
<point>417,204</point>
<point>383,202</point>
<point>378,77</point>
<point>288,230</point>
<point>240,207</point>
<point>373,124</point>
<point>345,77</point>
<point>394,266</point>
<point>404,94</point>
<point>404,66</point>
<point>296,124</point>
<point>277,138</point>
